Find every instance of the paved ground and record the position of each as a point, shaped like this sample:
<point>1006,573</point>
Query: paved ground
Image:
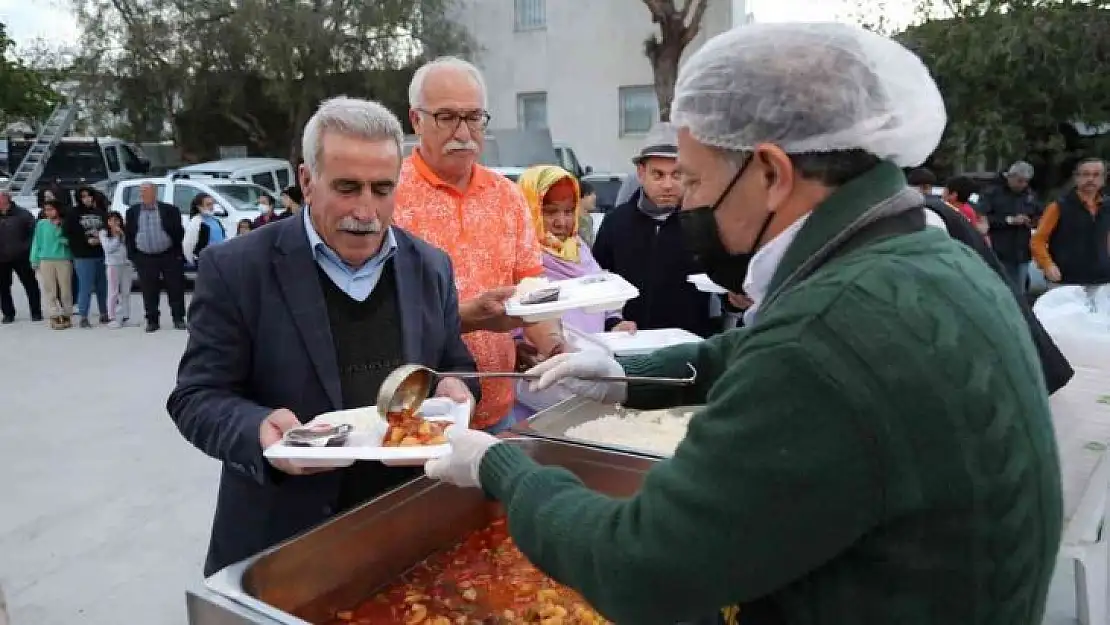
<point>104,509</point>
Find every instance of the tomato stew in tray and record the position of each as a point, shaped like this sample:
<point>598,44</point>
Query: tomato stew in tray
<point>484,580</point>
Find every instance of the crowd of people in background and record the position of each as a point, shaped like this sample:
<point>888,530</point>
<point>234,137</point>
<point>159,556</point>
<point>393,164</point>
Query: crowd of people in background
<point>72,257</point>
<point>1068,239</point>
<point>76,253</point>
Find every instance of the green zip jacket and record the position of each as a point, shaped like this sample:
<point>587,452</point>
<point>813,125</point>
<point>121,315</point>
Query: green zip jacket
<point>876,449</point>
<point>50,243</point>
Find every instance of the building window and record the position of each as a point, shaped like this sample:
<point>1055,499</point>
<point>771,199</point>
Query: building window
<point>531,111</point>
<point>530,14</point>
<point>639,109</point>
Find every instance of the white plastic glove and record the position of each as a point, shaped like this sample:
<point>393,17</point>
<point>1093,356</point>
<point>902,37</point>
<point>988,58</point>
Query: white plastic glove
<point>460,467</point>
<point>567,369</point>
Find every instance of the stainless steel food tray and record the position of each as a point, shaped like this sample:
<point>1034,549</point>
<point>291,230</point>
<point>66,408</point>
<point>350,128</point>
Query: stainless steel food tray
<point>553,423</point>
<point>344,561</point>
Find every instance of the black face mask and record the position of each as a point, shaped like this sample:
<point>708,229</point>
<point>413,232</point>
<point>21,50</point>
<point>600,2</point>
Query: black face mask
<point>703,239</point>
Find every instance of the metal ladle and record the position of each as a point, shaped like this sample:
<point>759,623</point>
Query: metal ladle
<point>407,386</point>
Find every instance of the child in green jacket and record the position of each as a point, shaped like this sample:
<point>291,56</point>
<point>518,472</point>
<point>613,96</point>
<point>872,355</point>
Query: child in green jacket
<point>50,256</point>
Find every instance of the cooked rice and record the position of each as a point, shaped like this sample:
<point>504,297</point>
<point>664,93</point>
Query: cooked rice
<point>657,431</point>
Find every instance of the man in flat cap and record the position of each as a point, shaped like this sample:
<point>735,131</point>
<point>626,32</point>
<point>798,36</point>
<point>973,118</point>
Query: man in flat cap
<point>641,240</point>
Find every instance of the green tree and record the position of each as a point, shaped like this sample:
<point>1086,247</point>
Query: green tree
<point>1016,74</point>
<point>25,94</point>
<point>219,72</point>
<point>677,29</point>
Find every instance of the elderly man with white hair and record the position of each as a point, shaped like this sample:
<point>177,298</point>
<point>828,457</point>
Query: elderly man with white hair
<point>307,316</point>
<point>876,444</point>
<point>477,216</point>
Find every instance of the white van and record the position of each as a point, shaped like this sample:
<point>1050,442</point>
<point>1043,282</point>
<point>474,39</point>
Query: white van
<point>274,174</point>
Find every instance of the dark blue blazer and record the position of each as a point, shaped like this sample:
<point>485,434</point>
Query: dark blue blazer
<point>259,339</point>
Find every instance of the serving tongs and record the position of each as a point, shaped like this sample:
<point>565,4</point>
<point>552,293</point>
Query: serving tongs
<point>407,386</point>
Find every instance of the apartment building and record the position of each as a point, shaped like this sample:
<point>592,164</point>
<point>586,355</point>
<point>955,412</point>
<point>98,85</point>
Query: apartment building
<point>576,67</point>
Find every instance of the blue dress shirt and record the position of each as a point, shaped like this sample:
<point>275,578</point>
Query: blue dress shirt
<point>359,282</point>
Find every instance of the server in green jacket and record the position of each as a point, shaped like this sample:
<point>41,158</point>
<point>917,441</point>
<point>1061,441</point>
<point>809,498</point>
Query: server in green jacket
<point>876,444</point>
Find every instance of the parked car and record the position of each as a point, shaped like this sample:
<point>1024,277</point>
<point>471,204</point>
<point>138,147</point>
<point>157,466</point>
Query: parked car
<point>235,199</point>
<point>274,174</point>
<point>569,161</point>
<point>607,188</point>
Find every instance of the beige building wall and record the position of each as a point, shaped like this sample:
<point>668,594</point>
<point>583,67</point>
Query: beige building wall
<point>576,65</point>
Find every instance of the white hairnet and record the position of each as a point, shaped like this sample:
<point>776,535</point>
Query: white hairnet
<point>810,87</point>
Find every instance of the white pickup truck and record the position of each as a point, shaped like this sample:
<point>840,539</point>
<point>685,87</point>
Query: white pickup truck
<point>235,199</point>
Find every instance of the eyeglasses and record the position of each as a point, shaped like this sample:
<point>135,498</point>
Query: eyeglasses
<point>450,120</point>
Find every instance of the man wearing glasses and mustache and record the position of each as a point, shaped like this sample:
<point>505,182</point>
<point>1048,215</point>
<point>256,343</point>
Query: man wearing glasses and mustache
<point>478,217</point>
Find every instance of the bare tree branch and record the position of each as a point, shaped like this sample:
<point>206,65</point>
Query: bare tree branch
<point>660,9</point>
<point>693,26</point>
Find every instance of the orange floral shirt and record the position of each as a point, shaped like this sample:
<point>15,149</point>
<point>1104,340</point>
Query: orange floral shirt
<point>489,236</point>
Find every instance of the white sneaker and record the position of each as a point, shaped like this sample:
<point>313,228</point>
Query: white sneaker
<point>115,325</point>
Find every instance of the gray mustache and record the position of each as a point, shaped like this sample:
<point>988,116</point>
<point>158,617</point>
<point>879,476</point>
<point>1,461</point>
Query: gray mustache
<point>453,146</point>
<point>352,225</point>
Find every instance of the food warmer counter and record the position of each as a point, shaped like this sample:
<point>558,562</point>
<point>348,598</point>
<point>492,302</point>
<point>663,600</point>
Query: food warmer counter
<point>344,561</point>
<point>552,423</point>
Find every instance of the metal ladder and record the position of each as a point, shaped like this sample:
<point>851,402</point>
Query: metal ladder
<point>27,175</point>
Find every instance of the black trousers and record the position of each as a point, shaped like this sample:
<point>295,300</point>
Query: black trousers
<point>22,269</point>
<point>154,270</point>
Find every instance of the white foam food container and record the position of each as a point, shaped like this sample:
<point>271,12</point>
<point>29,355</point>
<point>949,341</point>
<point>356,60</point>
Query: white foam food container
<point>365,442</point>
<point>597,293</point>
<point>645,341</point>
<point>702,283</point>
<point>584,342</point>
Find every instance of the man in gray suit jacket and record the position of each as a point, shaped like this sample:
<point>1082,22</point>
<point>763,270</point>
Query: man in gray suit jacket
<point>306,316</point>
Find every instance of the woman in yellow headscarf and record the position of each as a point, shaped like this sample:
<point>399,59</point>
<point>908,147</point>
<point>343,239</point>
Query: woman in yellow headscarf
<point>553,199</point>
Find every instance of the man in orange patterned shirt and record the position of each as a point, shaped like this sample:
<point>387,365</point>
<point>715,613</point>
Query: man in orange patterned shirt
<point>478,217</point>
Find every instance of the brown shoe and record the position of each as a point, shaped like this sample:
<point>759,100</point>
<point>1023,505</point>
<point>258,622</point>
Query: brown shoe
<point>57,323</point>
